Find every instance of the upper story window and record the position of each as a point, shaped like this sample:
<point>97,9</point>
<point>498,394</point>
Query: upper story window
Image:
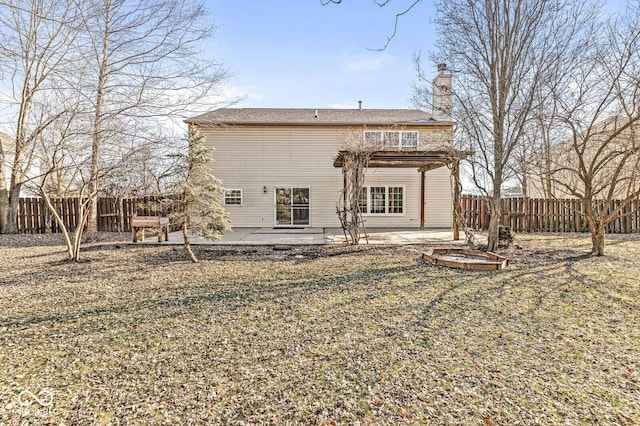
<point>409,139</point>
<point>373,138</point>
<point>391,138</point>
<point>233,197</point>
<point>395,139</point>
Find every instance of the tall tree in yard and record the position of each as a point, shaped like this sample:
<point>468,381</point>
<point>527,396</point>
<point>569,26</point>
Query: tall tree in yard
<point>36,45</point>
<point>60,154</point>
<point>147,61</point>
<point>502,52</point>
<point>199,194</point>
<point>599,163</point>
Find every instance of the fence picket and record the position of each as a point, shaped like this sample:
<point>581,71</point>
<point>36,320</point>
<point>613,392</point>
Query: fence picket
<point>114,215</point>
<point>544,215</point>
<point>521,214</point>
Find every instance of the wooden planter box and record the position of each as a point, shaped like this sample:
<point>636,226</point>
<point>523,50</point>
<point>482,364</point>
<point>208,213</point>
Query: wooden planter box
<point>465,259</point>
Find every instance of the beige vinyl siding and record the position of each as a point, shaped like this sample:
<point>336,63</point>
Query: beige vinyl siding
<point>438,205</point>
<point>407,178</point>
<point>438,198</point>
<point>253,157</point>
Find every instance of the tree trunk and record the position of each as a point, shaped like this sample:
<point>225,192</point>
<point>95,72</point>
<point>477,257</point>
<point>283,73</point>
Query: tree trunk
<point>63,229</point>
<point>187,246</point>
<point>77,236</point>
<point>97,138</point>
<point>4,210</point>
<point>4,194</point>
<point>120,214</point>
<point>48,220</point>
<point>11,226</point>
<point>494,224</point>
<point>547,191</point>
<point>597,239</point>
<point>495,206</point>
<point>92,215</point>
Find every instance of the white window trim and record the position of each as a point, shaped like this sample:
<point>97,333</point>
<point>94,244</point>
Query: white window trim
<point>241,197</point>
<point>386,199</point>
<point>378,132</point>
<point>381,134</point>
<point>409,146</point>
<point>275,213</point>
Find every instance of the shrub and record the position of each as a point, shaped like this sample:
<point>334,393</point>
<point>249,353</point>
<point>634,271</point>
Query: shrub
<point>505,236</point>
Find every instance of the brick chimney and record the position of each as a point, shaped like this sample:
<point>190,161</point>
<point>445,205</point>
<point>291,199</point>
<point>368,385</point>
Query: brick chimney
<point>442,94</point>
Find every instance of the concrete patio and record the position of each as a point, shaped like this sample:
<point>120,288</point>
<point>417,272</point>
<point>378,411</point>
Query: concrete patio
<point>316,236</point>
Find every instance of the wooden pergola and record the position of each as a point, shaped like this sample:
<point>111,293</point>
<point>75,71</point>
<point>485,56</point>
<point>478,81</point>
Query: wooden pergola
<point>423,161</point>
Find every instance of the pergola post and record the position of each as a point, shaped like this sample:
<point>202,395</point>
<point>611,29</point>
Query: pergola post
<point>424,161</point>
<point>457,211</point>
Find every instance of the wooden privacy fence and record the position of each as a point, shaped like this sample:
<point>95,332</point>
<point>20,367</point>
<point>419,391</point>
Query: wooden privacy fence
<point>521,214</point>
<point>541,215</point>
<point>114,214</point>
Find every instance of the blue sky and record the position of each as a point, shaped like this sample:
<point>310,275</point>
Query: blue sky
<point>300,54</point>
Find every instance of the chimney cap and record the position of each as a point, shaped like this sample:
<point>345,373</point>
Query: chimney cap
<point>442,67</point>
<point>359,104</point>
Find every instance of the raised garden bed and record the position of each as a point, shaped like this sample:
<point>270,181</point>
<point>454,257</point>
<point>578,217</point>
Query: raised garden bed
<point>465,259</point>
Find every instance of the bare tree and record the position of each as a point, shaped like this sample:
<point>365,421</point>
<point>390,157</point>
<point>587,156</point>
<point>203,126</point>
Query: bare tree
<point>147,62</point>
<point>531,164</point>
<point>61,158</point>
<point>145,65</point>
<point>600,110</point>
<point>129,170</point>
<point>501,53</point>
<point>405,9</point>
<point>35,42</point>
<point>73,241</point>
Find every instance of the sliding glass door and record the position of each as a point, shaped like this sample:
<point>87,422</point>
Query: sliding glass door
<point>292,206</point>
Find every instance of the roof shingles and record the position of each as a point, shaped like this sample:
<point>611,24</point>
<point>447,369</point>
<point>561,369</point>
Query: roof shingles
<point>309,116</point>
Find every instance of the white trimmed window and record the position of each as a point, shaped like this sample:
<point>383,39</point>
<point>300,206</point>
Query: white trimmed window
<point>396,200</point>
<point>382,200</point>
<point>233,197</point>
<point>363,201</point>
<point>391,138</point>
<point>373,138</point>
<point>377,199</point>
<point>409,139</point>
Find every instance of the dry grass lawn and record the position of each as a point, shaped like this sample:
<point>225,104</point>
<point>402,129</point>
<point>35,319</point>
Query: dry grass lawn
<point>332,335</point>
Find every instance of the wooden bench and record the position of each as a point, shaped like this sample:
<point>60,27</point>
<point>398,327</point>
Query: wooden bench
<point>139,223</point>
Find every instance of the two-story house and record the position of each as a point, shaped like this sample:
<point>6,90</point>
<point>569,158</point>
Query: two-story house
<point>283,168</point>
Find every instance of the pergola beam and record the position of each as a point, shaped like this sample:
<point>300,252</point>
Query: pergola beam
<point>423,161</point>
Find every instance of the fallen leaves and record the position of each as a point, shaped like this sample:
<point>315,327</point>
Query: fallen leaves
<point>349,336</point>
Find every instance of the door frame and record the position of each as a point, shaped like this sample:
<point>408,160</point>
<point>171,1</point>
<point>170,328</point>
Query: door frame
<point>275,206</point>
